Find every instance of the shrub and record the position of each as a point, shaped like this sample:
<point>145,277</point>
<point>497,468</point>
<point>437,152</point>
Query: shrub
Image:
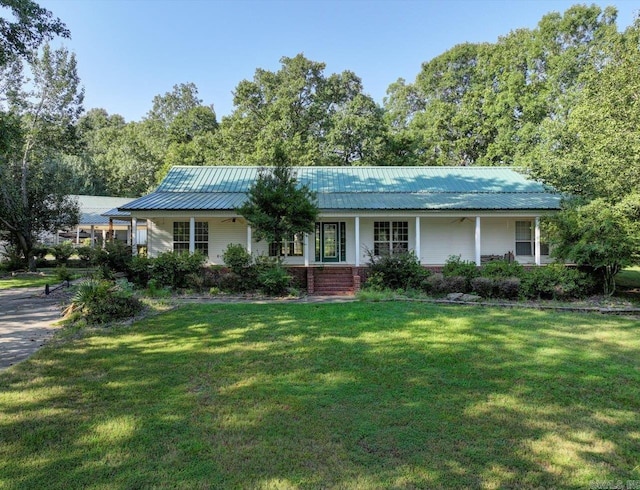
<point>13,259</point>
<point>455,266</point>
<point>85,254</point>
<point>172,268</point>
<point>439,284</point>
<point>556,281</point>
<point>101,301</point>
<point>397,271</point>
<point>274,280</point>
<point>507,288</point>
<point>502,269</point>
<point>154,290</point>
<point>236,257</point>
<point>483,286</point>
<point>194,281</point>
<point>232,283</point>
<point>40,252</point>
<point>62,252</point>
<point>63,274</point>
<point>139,270</point>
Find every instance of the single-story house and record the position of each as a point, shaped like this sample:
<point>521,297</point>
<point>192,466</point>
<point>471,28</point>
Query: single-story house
<point>437,212</point>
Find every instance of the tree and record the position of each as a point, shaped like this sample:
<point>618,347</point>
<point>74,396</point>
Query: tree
<point>483,104</point>
<point>599,235</point>
<point>34,26</point>
<point>594,151</point>
<point>297,107</point>
<point>39,117</point>
<point>278,207</point>
<point>167,107</point>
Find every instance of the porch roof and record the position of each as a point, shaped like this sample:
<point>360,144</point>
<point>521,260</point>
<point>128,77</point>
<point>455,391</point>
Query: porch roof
<point>358,188</point>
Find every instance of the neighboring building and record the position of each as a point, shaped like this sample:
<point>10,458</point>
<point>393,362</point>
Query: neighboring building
<point>437,212</point>
<point>100,221</point>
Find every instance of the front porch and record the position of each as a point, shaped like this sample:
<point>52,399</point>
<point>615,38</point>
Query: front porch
<point>352,240</point>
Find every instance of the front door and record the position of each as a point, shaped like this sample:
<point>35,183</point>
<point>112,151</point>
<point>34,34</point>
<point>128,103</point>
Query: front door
<point>330,242</point>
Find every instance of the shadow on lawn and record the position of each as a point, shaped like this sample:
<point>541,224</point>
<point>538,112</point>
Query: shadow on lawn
<point>359,395</point>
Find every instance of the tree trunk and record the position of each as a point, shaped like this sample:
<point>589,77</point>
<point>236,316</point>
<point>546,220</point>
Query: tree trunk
<point>610,272</point>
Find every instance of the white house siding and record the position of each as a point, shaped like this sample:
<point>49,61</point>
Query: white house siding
<point>497,236</point>
<point>221,233</point>
<point>443,237</point>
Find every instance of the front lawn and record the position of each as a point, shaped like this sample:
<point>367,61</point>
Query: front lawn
<point>356,395</point>
<point>36,279</point>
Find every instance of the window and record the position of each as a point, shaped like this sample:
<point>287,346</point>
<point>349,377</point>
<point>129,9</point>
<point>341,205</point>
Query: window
<point>181,236</point>
<point>390,237</point>
<point>524,238</point>
<point>525,242</point>
<point>293,246</point>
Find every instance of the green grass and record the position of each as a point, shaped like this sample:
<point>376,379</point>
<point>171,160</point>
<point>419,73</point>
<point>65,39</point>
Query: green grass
<point>44,276</point>
<point>358,395</point>
<point>28,280</point>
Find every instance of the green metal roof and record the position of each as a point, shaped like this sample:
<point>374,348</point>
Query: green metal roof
<point>358,188</point>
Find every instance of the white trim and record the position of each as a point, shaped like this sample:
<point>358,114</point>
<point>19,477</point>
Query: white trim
<point>249,238</point>
<point>417,247</point>
<point>478,242</point>
<point>357,242</point>
<point>306,250</point>
<point>537,241</point>
<point>134,236</point>
<point>192,235</point>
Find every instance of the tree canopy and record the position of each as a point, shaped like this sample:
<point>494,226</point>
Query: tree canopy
<point>36,123</point>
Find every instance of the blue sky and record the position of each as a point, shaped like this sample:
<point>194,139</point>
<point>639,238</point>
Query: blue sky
<point>131,50</point>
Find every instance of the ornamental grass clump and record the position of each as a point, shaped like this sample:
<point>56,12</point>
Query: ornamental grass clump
<point>99,301</point>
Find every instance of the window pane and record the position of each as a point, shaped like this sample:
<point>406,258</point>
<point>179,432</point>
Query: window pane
<point>523,230</point>
<point>181,247</point>
<point>544,249</point>
<point>202,231</point>
<point>297,246</point>
<point>181,231</point>
<point>523,248</point>
<point>400,231</point>
<point>400,247</point>
<point>203,247</point>
<point>381,248</point>
<point>381,231</point>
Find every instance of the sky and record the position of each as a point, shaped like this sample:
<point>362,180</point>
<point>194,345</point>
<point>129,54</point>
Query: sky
<point>128,51</point>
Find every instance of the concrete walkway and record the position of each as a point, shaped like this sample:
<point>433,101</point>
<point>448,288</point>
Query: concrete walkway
<point>26,322</point>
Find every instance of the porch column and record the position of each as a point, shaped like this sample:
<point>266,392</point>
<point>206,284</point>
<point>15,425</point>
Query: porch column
<point>134,236</point>
<point>192,235</point>
<point>417,247</point>
<point>104,238</point>
<point>111,230</point>
<point>78,235</point>
<point>129,238</point>
<point>537,240</point>
<point>478,260</point>
<point>93,236</point>
<point>249,238</point>
<point>306,249</point>
<point>357,241</point>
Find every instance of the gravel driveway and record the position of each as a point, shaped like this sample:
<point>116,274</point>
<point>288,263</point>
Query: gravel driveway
<point>26,322</point>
